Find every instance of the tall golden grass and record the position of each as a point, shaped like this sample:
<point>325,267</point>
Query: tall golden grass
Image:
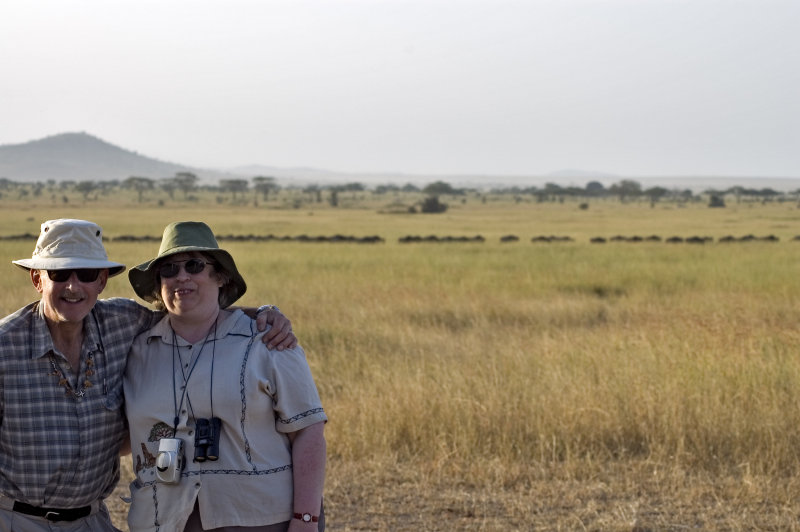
<point>498,364</point>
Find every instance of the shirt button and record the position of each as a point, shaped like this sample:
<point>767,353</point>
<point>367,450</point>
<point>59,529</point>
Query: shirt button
<point>197,485</point>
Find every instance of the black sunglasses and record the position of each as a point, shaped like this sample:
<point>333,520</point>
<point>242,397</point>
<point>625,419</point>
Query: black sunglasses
<point>85,275</point>
<point>192,266</point>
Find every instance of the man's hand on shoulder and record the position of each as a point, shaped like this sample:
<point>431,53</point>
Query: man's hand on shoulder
<point>280,336</point>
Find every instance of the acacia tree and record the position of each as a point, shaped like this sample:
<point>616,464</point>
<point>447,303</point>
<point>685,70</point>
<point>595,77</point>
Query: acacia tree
<point>595,188</point>
<point>234,186</point>
<point>186,181</point>
<point>139,184</point>
<point>107,187</point>
<point>440,188</point>
<point>85,188</point>
<point>314,193</point>
<point>432,205</point>
<point>655,194</point>
<point>627,188</point>
<point>169,185</point>
<point>552,190</point>
<point>264,185</point>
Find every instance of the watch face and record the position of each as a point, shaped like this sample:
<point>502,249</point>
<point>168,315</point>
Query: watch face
<point>307,518</point>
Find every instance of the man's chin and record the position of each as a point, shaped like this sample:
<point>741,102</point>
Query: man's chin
<point>73,311</point>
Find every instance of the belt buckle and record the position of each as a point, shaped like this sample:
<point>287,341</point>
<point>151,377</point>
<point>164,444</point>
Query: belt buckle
<point>52,516</point>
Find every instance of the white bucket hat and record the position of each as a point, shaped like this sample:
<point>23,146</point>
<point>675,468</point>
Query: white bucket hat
<point>70,244</point>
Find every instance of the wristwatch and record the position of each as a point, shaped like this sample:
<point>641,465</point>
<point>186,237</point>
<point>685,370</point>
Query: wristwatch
<point>307,517</point>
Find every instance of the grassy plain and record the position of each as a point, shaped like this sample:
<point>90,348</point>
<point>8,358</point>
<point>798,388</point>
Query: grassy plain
<point>524,386</point>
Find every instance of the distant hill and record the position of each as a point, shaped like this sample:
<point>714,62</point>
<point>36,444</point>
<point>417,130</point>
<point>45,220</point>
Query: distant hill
<point>83,157</point>
<point>79,157</point>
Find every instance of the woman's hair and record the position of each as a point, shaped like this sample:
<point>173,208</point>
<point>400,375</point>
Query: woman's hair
<point>219,274</point>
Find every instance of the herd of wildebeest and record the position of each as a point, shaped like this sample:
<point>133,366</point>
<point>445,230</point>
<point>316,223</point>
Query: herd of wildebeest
<point>408,239</point>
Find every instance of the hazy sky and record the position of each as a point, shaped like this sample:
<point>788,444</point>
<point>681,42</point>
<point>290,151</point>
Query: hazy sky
<point>629,87</point>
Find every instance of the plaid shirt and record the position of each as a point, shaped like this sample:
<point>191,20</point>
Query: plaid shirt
<point>58,450</point>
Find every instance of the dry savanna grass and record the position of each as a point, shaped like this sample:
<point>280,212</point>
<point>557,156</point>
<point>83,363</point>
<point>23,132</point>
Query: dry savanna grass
<point>526,386</point>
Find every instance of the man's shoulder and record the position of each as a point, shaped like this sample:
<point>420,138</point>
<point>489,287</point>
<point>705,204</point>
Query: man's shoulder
<point>124,316</point>
<point>123,306</point>
<point>15,320</point>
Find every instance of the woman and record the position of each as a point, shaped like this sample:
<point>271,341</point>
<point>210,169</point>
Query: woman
<point>226,435</point>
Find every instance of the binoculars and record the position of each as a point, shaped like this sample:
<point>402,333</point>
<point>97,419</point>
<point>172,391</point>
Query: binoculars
<point>206,439</point>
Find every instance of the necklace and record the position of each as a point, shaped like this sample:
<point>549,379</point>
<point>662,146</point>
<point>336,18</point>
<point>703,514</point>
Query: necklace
<point>64,381</point>
<point>185,387</point>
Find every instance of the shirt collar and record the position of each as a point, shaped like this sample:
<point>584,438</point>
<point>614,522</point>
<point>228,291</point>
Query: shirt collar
<point>42,341</point>
<point>233,322</point>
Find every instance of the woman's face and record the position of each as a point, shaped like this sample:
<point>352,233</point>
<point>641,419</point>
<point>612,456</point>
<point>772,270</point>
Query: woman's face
<point>189,294</point>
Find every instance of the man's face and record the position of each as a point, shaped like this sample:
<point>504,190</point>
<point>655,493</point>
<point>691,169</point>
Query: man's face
<point>69,300</point>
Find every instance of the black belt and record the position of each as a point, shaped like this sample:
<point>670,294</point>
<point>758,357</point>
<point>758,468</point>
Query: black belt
<point>52,514</point>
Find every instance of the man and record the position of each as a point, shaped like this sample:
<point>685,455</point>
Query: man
<point>61,364</point>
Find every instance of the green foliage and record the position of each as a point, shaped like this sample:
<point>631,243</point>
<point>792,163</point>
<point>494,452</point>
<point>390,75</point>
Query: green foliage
<point>432,205</point>
<point>440,188</point>
<point>716,201</point>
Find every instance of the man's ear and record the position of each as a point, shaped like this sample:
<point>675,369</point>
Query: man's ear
<point>36,279</point>
<point>103,281</point>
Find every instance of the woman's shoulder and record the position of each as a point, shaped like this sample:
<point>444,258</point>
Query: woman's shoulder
<point>237,323</point>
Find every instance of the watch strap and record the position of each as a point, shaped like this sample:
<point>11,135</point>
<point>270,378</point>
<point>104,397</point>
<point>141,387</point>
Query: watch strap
<point>307,517</point>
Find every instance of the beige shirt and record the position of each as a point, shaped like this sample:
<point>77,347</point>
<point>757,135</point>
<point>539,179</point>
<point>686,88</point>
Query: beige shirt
<point>260,396</point>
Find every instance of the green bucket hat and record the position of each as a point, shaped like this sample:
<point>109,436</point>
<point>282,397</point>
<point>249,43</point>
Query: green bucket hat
<point>183,237</point>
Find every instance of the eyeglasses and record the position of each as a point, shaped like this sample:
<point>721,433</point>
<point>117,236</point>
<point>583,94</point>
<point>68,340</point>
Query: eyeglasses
<point>85,275</point>
<point>192,266</point>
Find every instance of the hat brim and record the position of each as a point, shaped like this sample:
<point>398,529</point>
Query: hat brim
<point>70,263</point>
<point>143,278</point>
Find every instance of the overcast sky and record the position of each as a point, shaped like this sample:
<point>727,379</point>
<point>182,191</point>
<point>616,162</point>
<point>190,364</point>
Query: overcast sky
<point>627,87</point>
